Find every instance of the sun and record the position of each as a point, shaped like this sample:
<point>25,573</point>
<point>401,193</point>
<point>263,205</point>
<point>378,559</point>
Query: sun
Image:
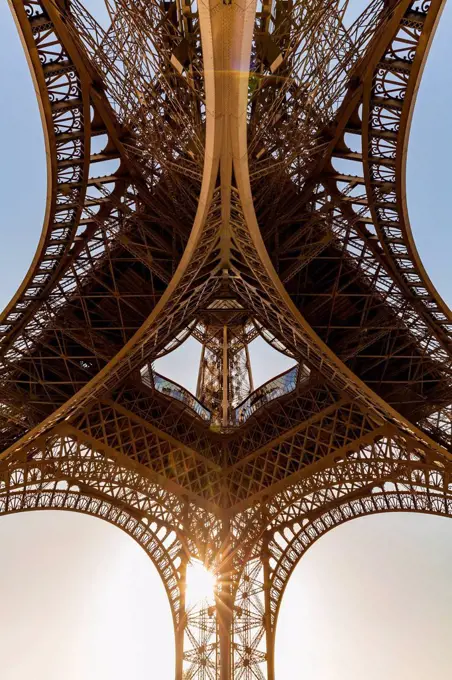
<point>200,584</point>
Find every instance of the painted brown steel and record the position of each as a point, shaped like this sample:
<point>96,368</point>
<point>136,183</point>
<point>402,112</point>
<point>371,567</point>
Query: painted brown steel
<point>246,501</point>
<point>50,94</point>
<point>421,289</point>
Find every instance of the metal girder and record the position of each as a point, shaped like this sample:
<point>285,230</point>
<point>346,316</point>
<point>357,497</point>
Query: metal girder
<point>85,215</point>
<point>225,211</point>
<point>110,424</point>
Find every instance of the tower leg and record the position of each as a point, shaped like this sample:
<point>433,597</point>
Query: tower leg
<point>224,610</point>
<point>180,626</point>
<point>225,606</point>
<point>269,631</point>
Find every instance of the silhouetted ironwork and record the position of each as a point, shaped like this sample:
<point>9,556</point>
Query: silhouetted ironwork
<point>226,170</point>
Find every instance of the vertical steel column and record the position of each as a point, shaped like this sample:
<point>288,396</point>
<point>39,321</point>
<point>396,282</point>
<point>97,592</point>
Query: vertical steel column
<point>224,604</point>
<point>180,629</point>
<point>269,632</point>
<point>200,383</point>
<point>224,614</point>
<point>225,377</point>
<point>248,366</point>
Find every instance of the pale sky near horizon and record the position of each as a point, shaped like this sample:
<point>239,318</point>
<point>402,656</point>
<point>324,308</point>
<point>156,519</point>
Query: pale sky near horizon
<point>79,599</point>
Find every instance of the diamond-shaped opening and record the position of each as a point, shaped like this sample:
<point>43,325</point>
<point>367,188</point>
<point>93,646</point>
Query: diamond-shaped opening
<point>192,374</point>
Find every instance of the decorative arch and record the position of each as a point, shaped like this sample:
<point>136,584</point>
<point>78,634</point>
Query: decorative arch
<point>157,543</point>
<point>63,474</point>
<point>291,540</point>
<point>375,504</point>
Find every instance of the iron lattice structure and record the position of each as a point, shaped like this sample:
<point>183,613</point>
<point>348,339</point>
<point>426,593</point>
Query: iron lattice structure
<point>258,188</point>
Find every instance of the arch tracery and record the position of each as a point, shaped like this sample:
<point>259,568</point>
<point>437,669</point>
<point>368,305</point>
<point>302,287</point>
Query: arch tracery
<point>64,474</point>
<point>341,494</point>
<point>250,501</point>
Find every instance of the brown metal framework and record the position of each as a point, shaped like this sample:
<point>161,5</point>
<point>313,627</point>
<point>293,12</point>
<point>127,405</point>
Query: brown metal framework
<point>258,187</point>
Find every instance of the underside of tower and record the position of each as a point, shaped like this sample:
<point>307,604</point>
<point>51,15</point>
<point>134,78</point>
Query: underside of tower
<point>259,190</point>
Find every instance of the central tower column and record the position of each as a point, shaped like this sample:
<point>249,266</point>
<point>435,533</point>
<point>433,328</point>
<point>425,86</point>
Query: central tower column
<point>225,373</point>
<point>225,409</point>
<point>225,377</point>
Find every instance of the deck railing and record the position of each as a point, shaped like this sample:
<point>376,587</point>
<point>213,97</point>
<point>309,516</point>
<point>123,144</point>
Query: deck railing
<point>273,389</point>
<point>276,387</point>
<point>172,389</point>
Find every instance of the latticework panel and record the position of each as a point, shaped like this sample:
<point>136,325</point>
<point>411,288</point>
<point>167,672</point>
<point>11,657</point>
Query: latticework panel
<point>227,213</point>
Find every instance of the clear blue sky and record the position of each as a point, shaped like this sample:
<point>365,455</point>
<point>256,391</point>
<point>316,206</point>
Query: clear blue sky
<point>372,599</point>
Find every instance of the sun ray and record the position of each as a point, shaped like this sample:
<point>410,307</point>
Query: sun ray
<point>200,584</point>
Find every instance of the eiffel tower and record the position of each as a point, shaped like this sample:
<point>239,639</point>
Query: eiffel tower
<point>225,169</point>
